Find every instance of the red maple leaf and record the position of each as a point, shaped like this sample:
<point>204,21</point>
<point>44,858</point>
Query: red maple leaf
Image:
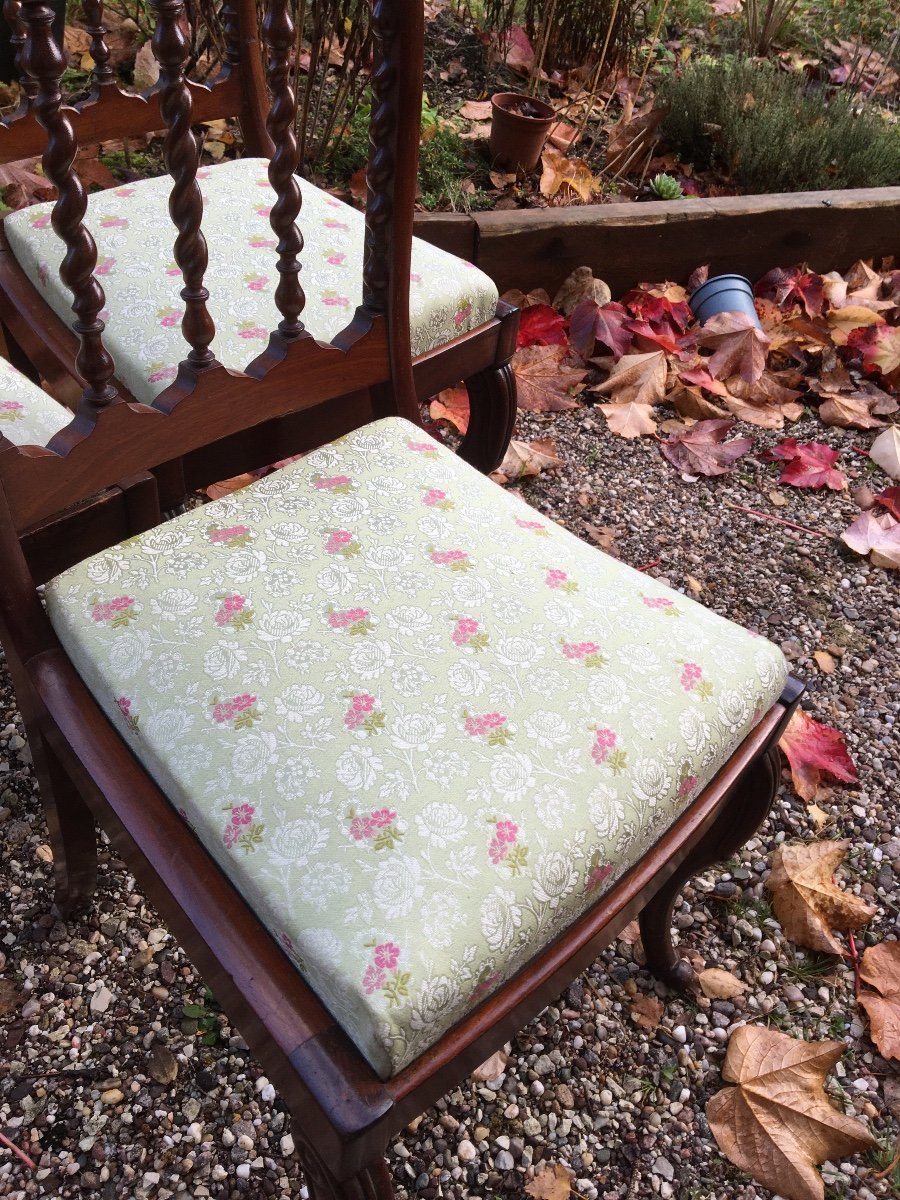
<point>890,499</point>
<point>661,305</point>
<point>808,465</point>
<point>607,324</point>
<point>813,749</point>
<point>541,325</point>
<point>879,348</point>
<point>648,338</point>
<point>702,449</point>
<point>787,287</point>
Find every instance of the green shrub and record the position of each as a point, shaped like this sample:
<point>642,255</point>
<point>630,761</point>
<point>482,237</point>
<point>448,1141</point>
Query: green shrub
<point>771,132</point>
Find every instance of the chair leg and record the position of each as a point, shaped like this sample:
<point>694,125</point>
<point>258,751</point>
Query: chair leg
<point>371,1183</point>
<point>739,818</point>
<point>492,415</point>
<point>73,836</point>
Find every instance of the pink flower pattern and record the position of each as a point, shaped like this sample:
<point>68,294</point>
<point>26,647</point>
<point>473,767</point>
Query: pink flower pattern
<point>233,535</point>
<point>239,709</point>
<point>118,611</point>
<point>604,741</point>
<point>233,612</point>
<point>353,620</point>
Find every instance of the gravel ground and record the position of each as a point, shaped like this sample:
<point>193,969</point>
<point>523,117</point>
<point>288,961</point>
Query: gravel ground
<point>116,1090</point>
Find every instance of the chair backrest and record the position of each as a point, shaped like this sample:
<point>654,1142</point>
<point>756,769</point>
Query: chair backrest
<point>110,440</point>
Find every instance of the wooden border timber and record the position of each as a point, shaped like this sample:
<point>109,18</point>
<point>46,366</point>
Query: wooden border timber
<point>627,243</point>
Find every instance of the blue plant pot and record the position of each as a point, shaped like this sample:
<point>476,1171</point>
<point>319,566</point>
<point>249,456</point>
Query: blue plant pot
<point>723,293</point>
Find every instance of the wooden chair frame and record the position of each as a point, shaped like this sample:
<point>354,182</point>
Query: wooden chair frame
<point>345,1115</point>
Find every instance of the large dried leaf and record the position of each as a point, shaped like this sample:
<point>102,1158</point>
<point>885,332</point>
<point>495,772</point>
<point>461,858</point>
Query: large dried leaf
<point>629,420</point>
<point>690,402</point>
<point>885,451</point>
<point>591,322</point>
<point>646,1011</point>
<point>876,535</point>
<point>21,185</point>
<point>560,174</point>
<point>476,110</point>
<point>552,1181</point>
<point>739,346</point>
<point>630,140</point>
<point>10,998</point>
<point>702,449</point>
<point>880,968</point>
<point>777,1123</point>
<point>527,458</point>
<point>813,749</point>
<point>491,1067</point>
<point>806,899</point>
<point>543,380</point>
<point>852,316</point>
<point>451,404</point>
<point>581,285</point>
<point>879,348</point>
<point>848,411</point>
<point>720,985</point>
<point>638,378</point>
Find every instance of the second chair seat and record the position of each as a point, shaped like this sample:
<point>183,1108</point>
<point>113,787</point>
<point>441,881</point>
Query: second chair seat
<point>134,235</point>
<point>419,726</point>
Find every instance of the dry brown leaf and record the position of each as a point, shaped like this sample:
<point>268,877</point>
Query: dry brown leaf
<point>630,140</point>
<point>543,380</point>
<point>631,933</point>
<point>561,172</point>
<point>806,899</point>
<point>690,402</point>
<point>694,584</point>
<point>819,817</point>
<point>476,110</point>
<point>880,968</point>
<point>646,1011</point>
<point>451,404</point>
<point>779,499</point>
<point>885,451</point>
<point>146,68</point>
<point>605,536</point>
<point>162,1065</point>
<point>629,420</point>
<point>824,660</point>
<point>224,487</point>
<point>527,458</point>
<point>848,411</point>
<point>580,285</point>
<point>522,299</point>
<point>552,1181</point>
<point>777,1124</point>
<point>10,998</point>
<point>739,346</point>
<point>637,377</point>
<point>720,985</point>
<point>491,1067</point>
<point>853,316</point>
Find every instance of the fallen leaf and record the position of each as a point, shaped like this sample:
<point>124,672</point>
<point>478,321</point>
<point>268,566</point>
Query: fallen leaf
<point>813,749</point>
<point>825,661</point>
<point>818,816</point>
<point>527,458</point>
<point>879,348</point>
<point>146,68</point>
<point>880,968</point>
<point>579,286</point>
<point>690,402</point>
<point>720,985</point>
<point>631,933</point>
<point>808,465</point>
<point>558,172</point>
<point>605,536</point>
<point>10,998</point>
<point>162,1065</point>
<point>791,285</point>
<point>629,420</point>
<point>890,499</point>
<point>522,299</point>
<point>779,499</point>
<point>777,1123</point>
<point>877,536</point>
<point>660,305</point>
<point>552,1181</point>
<point>639,378</point>
<point>543,381</point>
<point>563,136</point>
<point>591,322</point>
<point>646,1011</point>
<point>541,325</point>
<point>694,584</point>
<point>519,51</point>
<point>491,1067</point>
<point>21,185</point>
<point>885,451</point>
<point>630,140</point>
<point>224,487</point>
<point>702,449</point>
<point>852,316</point>
<point>451,404</point>
<point>848,412</point>
<point>739,346</point>
<point>806,899</point>
<point>476,110</point>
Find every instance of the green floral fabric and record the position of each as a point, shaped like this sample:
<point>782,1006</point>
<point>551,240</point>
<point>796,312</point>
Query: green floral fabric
<point>28,416</point>
<point>143,312</point>
<point>421,727</point>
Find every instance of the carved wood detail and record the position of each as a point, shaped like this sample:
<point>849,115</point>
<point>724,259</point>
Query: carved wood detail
<point>231,30</point>
<point>12,11</point>
<point>45,63</point>
<point>171,48</point>
<point>278,37</point>
<point>103,74</point>
<point>380,172</point>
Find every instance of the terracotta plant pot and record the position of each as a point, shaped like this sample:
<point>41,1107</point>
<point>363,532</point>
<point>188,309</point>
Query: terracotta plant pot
<point>723,293</point>
<point>519,128</point>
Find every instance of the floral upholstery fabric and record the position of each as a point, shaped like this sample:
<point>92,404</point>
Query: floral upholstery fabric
<point>421,727</point>
<point>28,416</point>
<point>135,236</point>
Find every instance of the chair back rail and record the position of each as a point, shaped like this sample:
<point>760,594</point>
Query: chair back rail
<point>110,113</point>
<point>110,439</point>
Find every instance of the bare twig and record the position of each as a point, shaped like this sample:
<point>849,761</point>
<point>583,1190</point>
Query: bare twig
<point>764,516</point>
<point>18,1153</point>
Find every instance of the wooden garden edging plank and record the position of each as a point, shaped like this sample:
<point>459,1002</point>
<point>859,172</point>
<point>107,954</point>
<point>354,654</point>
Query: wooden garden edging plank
<point>627,243</point>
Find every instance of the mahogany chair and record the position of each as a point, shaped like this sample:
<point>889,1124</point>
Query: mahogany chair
<point>458,329</point>
<point>392,756</point>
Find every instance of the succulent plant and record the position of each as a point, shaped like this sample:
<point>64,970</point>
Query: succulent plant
<point>666,187</point>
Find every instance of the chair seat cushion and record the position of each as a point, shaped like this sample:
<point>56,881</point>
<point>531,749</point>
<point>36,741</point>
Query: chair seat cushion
<point>421,727</point>
<point>135,236</point>
<point>28,416</point>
